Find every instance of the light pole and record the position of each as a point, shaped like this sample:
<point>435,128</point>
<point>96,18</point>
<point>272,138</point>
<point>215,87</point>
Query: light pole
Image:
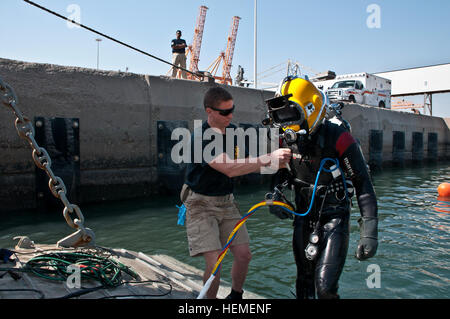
<point>98,51</point>
<point>255,50</point>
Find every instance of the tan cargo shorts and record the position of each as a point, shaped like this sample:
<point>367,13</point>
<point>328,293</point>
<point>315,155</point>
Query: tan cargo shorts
<point>210,220</point>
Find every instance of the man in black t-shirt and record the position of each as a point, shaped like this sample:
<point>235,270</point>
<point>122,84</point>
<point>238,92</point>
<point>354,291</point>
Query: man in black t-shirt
<point>179,55</point>
<point>211,211</point>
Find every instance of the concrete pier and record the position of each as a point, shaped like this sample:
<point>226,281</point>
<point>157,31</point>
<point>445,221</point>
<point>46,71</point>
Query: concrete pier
<point>159,276</point>
<point>117,127</point>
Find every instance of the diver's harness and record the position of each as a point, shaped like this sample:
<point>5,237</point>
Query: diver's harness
<point>339,186</point>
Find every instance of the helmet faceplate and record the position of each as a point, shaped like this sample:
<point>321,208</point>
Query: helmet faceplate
<point>309,100</point>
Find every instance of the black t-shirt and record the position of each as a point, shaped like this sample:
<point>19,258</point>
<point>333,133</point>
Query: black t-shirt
<point>178,41</point>
<point>202,178</point>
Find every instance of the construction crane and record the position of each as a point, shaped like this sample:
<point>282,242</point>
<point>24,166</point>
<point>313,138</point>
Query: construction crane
<point>226,57</point>
<point>196,45</point>
<point>230,50</point>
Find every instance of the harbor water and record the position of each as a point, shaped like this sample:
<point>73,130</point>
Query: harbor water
<point>413,258</point>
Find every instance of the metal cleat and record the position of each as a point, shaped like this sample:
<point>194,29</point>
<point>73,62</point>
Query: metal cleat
<point>81,238</point>
<point>24,242</point>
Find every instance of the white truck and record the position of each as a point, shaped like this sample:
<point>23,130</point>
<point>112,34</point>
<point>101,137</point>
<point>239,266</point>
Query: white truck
<point>362,88</point>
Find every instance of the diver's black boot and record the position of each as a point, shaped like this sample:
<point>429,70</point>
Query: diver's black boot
<point>234,295</point>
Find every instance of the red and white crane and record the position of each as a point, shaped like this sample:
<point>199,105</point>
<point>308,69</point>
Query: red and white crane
<point>227,56</point>
<point>196,45</point>
<point>227,63</point>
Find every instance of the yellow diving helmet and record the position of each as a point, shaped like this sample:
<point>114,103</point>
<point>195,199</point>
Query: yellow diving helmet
<point>299,105</point>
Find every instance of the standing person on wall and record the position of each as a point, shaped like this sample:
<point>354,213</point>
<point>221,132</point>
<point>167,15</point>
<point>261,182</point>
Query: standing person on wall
<point>179,54</point>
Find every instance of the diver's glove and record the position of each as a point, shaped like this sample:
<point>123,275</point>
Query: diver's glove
<point>277,210</point>
<point>368,243</point>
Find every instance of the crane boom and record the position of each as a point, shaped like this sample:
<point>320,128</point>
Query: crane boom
<point>197,41</point>
<point>230,50</point>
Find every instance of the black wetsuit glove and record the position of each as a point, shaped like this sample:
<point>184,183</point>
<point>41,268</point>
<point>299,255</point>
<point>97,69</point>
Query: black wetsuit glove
<point>277,210</point>
<point>367,246</point>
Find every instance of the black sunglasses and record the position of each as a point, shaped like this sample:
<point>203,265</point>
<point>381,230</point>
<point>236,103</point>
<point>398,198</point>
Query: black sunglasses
<point>223,112</point>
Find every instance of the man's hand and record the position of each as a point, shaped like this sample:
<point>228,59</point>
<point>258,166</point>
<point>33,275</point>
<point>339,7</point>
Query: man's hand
<point>280,157</point>
<point>272,162</point>
<point>277,210</point>
<point>367,246</point>
<point>179,46</point>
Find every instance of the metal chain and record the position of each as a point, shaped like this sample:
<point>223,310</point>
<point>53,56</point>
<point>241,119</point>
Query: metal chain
<point>43,161</point>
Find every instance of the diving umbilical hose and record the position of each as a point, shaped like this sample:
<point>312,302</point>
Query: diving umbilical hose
<point>231,237</point>
<point>254,208</point>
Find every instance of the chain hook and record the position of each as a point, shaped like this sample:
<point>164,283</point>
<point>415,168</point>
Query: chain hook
<point>76,223</point>
<point>25,129</point>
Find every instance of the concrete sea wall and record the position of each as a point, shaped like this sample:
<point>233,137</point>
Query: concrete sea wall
<point>398,138</point>
<point>117,126</point>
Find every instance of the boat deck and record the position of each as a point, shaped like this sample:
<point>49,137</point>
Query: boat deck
<point>160,276</point>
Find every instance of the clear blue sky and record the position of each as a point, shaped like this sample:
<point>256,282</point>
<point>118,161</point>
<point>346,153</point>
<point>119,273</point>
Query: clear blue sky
<point>322,35</point>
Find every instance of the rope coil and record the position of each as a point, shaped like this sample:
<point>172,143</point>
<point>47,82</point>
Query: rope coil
<point>95,264</point>
<point>53,266</point>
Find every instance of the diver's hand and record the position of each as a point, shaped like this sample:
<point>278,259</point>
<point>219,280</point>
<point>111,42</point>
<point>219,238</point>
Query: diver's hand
<point>367,247</point>
<point>368,243</point>
<point>277,210</point>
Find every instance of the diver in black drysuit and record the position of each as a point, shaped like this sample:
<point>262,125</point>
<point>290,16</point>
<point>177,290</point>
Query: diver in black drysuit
<point>330,214</point>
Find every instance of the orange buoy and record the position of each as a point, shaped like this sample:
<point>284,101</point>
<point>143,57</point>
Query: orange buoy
<point>444,190</point>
